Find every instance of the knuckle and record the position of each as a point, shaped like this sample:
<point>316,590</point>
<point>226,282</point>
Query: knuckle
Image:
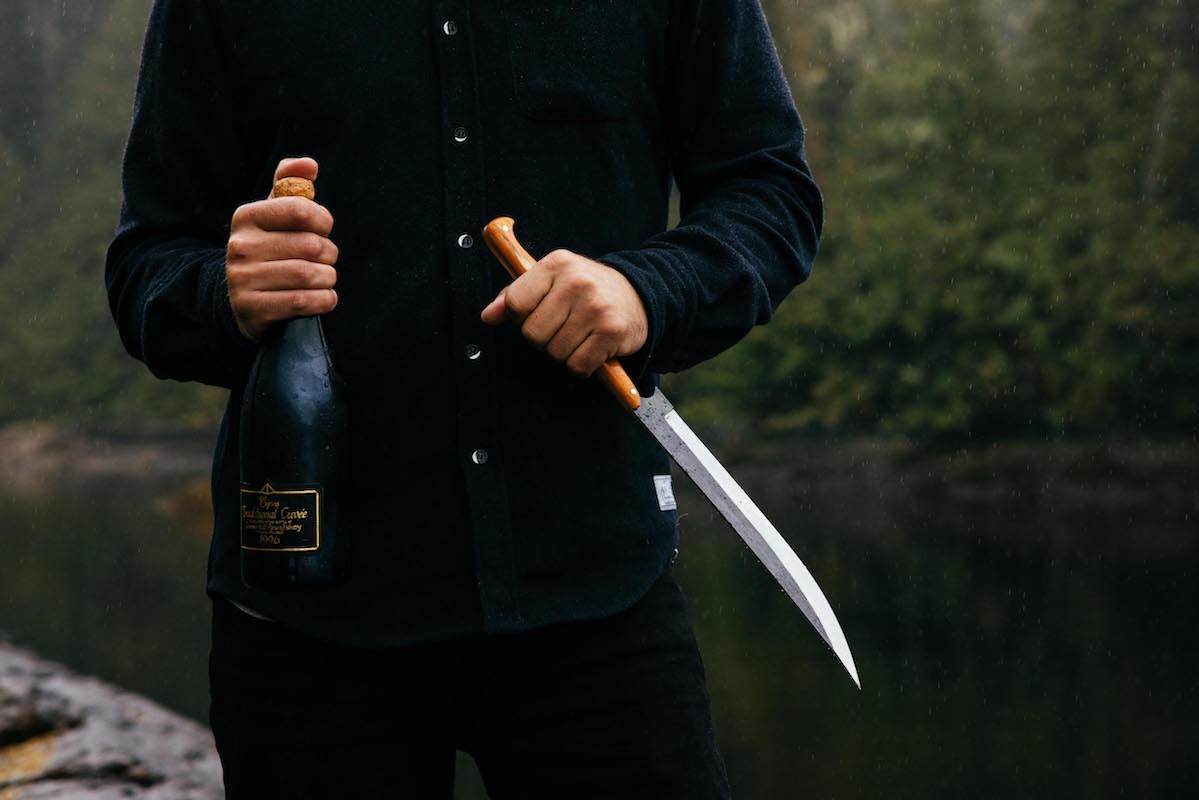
<point>529,330</point>
<point>322,219</point>
<point>235,276</point>
<point>578,366</point>
<point>238,247</point>
<point>518,304</point>
<point>575,280</point>
<point>296,275</point>
<point>557,351</point>
<point>244,214</point>
<point>249,304</point>
<point>312,217</point>
<point>303,212</point>
<point>282,213</point>
<point>609,326</point>
<point>237,300</point>
<point>324,278</point>
<point>591,305</point>
<point>311,247</point>
<point>298,303</point>
<point>556,260</point>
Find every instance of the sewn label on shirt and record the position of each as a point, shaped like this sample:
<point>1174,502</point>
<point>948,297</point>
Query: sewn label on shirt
<point>280,520</point>
<point>665,490</point>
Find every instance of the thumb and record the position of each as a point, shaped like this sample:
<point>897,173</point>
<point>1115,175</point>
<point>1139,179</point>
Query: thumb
<point>303,167</point>
<point>497,310</point>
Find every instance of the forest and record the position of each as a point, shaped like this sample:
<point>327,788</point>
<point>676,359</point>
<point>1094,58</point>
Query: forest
<point>1011,246</point>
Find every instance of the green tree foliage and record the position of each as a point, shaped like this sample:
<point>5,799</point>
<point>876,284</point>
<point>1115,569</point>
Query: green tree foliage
<point>1012,240</point>
<point>60,357</point>
<point>1010,247</point>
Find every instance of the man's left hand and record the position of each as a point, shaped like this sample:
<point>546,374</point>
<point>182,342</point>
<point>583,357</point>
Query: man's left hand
<point>579,311</point>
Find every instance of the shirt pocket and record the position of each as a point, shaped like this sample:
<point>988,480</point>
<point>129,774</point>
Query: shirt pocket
<point>582,60</point>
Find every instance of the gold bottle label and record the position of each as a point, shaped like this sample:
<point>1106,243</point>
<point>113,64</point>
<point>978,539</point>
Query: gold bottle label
<point>280,520</point>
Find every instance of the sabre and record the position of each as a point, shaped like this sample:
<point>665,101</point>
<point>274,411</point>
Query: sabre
<point>661,419</point>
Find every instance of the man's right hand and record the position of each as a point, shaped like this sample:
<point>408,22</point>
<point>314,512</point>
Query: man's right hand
<point>279,260</point>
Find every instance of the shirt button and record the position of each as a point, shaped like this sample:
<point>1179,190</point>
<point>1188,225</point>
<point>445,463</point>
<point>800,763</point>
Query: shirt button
<point>479,456</point>
<point>465,241</point>
<point>459,134</point>
<point>473,351</point>
<point>450,27</point>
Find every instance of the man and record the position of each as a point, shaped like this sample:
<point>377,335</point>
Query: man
<point>510,592</point>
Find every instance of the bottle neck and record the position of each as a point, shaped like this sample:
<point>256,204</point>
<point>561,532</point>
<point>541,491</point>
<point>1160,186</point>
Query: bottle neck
<point>302,337</point>
<point>305,329</point>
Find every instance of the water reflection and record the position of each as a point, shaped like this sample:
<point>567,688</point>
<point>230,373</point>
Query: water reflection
<point>1012,647</point>
<point>98,577</point>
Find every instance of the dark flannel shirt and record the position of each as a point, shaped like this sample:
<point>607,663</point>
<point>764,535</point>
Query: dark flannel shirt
<point>429,118</point>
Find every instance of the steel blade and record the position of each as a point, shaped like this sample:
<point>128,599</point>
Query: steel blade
<point>747,519</point>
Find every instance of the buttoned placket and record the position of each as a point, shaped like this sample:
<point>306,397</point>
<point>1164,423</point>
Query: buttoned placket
<point>471,290</point>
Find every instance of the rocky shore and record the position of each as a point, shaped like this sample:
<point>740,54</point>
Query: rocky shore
<point>68,736</point>
<point>40,458</point>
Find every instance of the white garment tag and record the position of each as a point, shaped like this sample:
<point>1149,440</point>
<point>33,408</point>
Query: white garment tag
<point>665,491</point>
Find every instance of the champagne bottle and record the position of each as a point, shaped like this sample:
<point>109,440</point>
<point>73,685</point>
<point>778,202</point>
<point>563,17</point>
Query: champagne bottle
<point>294,435</point>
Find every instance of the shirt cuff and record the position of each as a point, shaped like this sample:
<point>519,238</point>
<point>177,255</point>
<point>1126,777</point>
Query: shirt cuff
<point>649,288</point>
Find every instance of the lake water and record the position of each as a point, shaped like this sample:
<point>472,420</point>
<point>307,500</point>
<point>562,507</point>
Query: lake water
<point>1010,643</point>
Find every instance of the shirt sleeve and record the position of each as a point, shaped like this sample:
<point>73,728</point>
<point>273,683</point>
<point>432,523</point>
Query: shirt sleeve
<point>751,214</point>
<point>183,174</point>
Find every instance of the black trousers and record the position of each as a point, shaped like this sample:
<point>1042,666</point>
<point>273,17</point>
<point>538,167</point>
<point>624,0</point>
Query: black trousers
<point>612,708</point>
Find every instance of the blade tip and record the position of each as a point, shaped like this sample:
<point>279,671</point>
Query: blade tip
<point>852,669</point>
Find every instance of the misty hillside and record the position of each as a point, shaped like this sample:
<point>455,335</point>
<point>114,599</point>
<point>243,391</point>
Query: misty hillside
<point>1011,244</point>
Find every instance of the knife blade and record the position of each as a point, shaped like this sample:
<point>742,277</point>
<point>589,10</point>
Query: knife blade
<point>662,421</point>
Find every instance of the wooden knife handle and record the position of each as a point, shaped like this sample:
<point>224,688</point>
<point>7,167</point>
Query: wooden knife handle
<point>501,240</point>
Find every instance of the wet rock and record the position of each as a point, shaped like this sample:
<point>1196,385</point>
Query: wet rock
<point>64,735</point>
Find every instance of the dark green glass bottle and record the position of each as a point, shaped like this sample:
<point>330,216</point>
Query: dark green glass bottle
<point>293,441</point>
<point>293,452</point>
